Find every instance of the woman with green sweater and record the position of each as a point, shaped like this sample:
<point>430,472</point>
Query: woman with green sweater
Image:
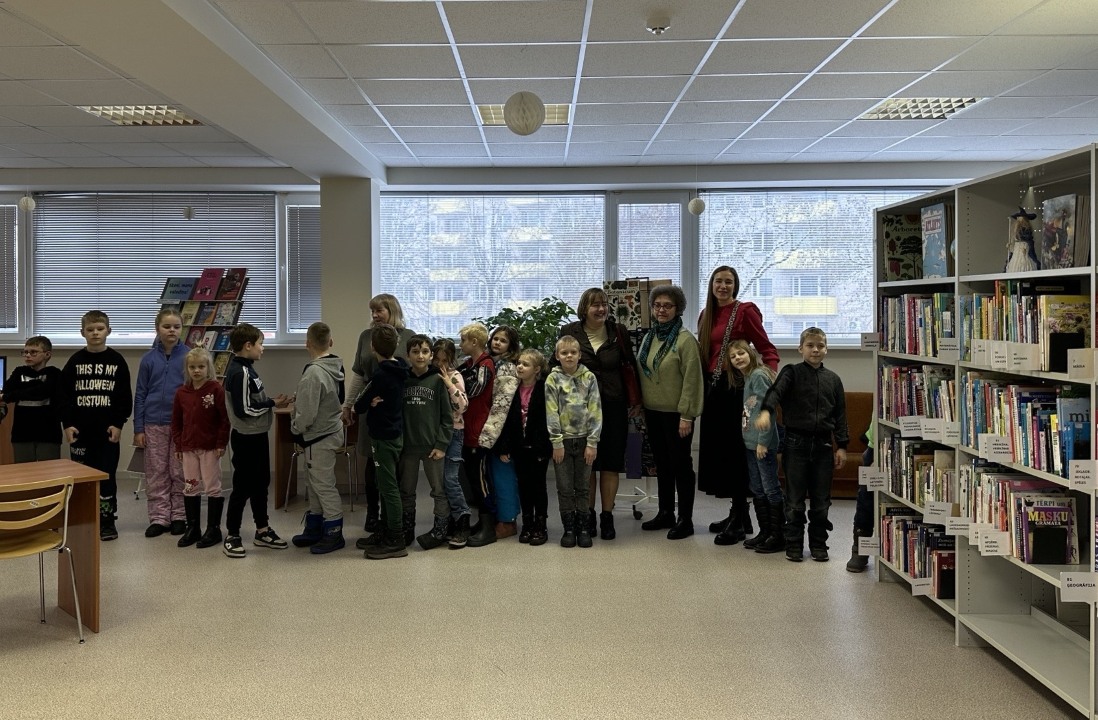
<point>670,374</point>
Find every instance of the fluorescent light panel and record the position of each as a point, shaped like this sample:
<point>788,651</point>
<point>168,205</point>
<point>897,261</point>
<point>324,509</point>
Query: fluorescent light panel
<point>919,108</point>
<point>555,114</point>
<point>140,114</point>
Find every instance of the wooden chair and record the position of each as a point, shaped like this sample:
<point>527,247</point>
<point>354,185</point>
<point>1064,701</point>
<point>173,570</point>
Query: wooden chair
<point>34,519</point>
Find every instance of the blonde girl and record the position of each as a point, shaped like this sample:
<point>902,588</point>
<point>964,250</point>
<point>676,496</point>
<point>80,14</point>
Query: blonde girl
<point>760,448</point>
<point>200,429</point>
<point>526,440</point>
<point>158,377</point>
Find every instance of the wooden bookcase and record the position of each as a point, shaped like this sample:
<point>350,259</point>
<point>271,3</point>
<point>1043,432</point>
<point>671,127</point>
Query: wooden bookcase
<point>1000,601</point>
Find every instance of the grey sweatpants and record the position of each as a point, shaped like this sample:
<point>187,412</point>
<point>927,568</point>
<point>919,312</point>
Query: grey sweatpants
<point>320,460</point>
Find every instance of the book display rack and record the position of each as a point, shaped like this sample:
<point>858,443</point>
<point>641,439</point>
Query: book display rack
<point>210,307</point>
<point>985,395</point>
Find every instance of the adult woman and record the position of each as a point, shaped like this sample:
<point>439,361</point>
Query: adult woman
<point>384,309</point>
<point>671,385</point>
<point>722,471</point>
<point>605,350</point>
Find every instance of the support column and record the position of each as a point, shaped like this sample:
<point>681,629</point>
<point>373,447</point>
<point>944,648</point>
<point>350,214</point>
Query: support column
<point>349,228</point>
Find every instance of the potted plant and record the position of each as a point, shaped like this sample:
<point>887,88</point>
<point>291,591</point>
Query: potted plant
<point>538,325</point>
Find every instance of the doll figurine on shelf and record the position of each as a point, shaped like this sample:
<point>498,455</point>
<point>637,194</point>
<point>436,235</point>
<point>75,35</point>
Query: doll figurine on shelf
<point>1021,257</point>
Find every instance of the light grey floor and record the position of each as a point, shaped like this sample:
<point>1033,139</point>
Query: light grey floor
<point>640,627</point>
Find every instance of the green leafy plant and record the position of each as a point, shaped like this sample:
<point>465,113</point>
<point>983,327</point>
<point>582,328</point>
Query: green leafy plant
<point>538,325</point>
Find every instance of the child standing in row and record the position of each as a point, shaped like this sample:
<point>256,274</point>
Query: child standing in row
<point>502,501</point>
<point>95,383</point>
<point>317,426</point>
<point>574,417</point>
<point>33,387</point>
<point>762,451</point>
<point>526,440</point>
<point>249,411</point>
<point>814,409</point>
<point>444,355</point>
<point>200,434</point>
<point>479,373</point>
<point>158,377</point>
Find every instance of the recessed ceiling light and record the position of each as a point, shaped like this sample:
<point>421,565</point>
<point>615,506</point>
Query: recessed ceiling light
<point>555,114</point>
<point>140,114</point>
<point>919,108</point>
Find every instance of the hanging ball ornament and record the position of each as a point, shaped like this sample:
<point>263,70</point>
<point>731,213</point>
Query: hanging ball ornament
<point>524,113</point>
<point>27,203</point>
<point>696,206</point>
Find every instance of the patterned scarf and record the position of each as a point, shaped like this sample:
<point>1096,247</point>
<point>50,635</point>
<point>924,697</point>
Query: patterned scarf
<point>668,333</point>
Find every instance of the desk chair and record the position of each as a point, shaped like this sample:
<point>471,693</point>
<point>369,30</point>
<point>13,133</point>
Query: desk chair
<point>348,451</point>
<point>27,519</point>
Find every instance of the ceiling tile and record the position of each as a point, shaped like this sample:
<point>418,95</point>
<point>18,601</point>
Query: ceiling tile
<point>807,110</point>
<point>528,150</point>
<point>371,134</point>
<point>17,33</point>
<point>395,62</point>
<point>55,149</point>
<point>726,131</point>
<point>550,90</point>
<point>1060,126</point>
<point>519,61</point>
<point>304,61</point>
<point>411,134</point>
<point>707,148</point>
<point>611,133</point>
<point>415,92</point>
<point>1001,53</point>
<point>39,116</point>
<point>336,23</point>
<point>352,114</point>
<point>849,144</point>
<point>782,145</point>
<point>642,58</point>
<point>929,18</point>
<point>173,161</point>
<point>1018,107</point>
<point>1055,17</point>
<point>932,142</point>
<point>906,157</point>
<point>266,22</point>
<point>610,113</point>
<point>981,83</point>
<point>13,92</point>
<point>134,149</point>
<point>703,112</point>
<point>811,130</point>
<point>97,92</point>
<point>885,128</point>
<point>50,63</point>
<point>503,22</point>
<point>1061,83</point>
<point>333,91</point>
<point>604,149</point>
<point>790,18</point>
<point>213,149</point>
<point>243,161</point>
<point>898,54</point>
<point>420,116</point>
<point>1086,109</point>
<point>741,87</point>
<point>626,20</point>
<point>25,134</point>
<point>650,89</point>
<point>442,150</point>
<point>390,151</point>
<point>768,56</point>
<point>98,162</point>
<point>968,126</point>
<point>547,133</point>
<point>843,86</point>
<point>830,156</point>
<point>28,162</point>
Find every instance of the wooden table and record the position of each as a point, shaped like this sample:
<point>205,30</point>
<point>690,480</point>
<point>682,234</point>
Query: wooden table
<point>83,530</point>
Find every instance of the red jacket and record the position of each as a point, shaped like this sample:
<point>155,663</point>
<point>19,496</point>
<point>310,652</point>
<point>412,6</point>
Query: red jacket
<point>479,378</point>
<point>199,418</point>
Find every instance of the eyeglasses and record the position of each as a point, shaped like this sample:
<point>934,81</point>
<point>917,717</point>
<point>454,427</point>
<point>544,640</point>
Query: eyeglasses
<point>663,306</point>
<point>33,352</point>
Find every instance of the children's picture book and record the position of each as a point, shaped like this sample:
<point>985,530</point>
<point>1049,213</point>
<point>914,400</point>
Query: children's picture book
<point>207,311</point>
<point>222,342</point>
<point>221,363</point>
<point>194,337</point>
<point>232,284</point>
<point>1065,325</point>
<point>903,247</point>
<point>177,288</point>
<point>189,312</point>
<point>1051,536</point>
<point>227,313</point>
<point>937,261</point>
<point>208,283</point>
<point>173,305</point>
<point>624,298</point>
<point>209,339</point>
<point>1058,232</point>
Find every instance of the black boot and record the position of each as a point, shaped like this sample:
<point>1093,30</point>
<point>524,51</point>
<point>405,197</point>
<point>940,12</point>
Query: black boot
<point>762,512</point>
<point>192,506</point>
<point>408,522</point>
<point>391,546</point>
<point>527,528</point>
<point>683,528</point>
<point>460,536</point>
<point>108,513</point>
<point>733,532</point>
<point>858,563</point>
<point>540,534</point>
<point>607,519</point>
<point>436,536</point>
<point>568,539</point>
<point>212,536</point>
<point>745,521</point>
<point>664,520</point>
<point>314,530</point>
<point>583,529</point>
<point>776,541</point>
<point>487,533</point>
<point>592,522</point>
<point>720,525</point>
<point>331,537</point>
<point>373,500</point>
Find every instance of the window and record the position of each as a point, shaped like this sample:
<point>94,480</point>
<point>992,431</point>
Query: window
<point>799,253</point>
<point>9,268</point>
<point>451,258</point>
<point>302,266</point>
<point>113,252</point>
<point>649,239</point>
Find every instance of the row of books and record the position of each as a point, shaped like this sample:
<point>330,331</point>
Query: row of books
<point>923,390</point>
<point>919,245</point>
<point>918,549</point>
<point>1065,232</point>
<point>213,339</point>
<point>214,284</point>
<point>1045,427</point>
<point>194,312</point>
<point>914,324</point>
<point>919,471</point>
<point>1039,516</point>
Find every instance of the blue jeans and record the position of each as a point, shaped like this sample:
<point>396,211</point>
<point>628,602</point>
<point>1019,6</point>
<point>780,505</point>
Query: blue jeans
<point>451,471</point>
<point>808,461</point>
<point>762,476</point>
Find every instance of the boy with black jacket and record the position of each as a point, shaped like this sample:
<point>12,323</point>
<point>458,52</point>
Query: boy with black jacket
<point>250,415</point>
<point>813,409</point>
<point>33,387</point>
<point>95,383</point>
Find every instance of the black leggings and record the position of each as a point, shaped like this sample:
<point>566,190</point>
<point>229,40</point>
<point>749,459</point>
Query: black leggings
<point>531,470</point>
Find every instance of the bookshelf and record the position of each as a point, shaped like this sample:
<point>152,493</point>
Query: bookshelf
<point>985,394</point>
<point>210,306</point>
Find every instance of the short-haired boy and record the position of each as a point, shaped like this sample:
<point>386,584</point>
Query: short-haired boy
<point>813,409</point>
<point>428,425</point>
<point>95,383</point>
<point>250,416</point>
<point>317,425</point>
<point>478,372</point>
<point>573,413</point>
<point>383,404</point>
<point>33,387</point>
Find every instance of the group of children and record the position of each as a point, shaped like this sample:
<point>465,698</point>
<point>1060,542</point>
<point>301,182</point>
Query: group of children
<point>503,414</point>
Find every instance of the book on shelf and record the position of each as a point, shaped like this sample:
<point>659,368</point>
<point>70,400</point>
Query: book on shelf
<point>208,283</point>
<point>226,313</point>
<point>222,342</point>
<point>903,246</point>
<point>173,305</point>
<point>189,311</point>
<point>1065,325</point>
<point>937,232</point>
<point>177,288</point>
<point>195,336</point>
<point>943,574</point>
<point>209,339</point>
<point>1065,232</point>
<point>221,363</point>
<point>206,313</point>
<point>1050,532</point>
<point>232,285</point>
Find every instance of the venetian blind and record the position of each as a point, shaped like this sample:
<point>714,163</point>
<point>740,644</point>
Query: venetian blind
<point>302,266</point>
<point>9,268</point>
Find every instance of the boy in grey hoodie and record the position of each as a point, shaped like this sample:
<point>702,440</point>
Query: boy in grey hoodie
<point>317,425</point>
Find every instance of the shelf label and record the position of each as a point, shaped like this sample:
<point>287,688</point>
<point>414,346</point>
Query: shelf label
<point>931,429</point>
<point>871,341</point>
<point>1024,357</point>
<point>920,586</point>
<point>951,433</point>
<point>995,448</point>
<point>994,542</point>
<point>949,349</point>
<point>977,530</point>
<point>956,526</point>
<point>1081,364</point>
<point>1000,355</point>
<point>937,512</point>
<point>979,353</point>
<point>1081,475</point>
<point>911,425</point>
<point>869,545</point>
<point>1078,587</point>
<point>871,477</point>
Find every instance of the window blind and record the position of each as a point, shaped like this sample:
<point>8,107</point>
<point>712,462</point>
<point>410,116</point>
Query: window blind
<point>9,268</point>
<point>303,266</point>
